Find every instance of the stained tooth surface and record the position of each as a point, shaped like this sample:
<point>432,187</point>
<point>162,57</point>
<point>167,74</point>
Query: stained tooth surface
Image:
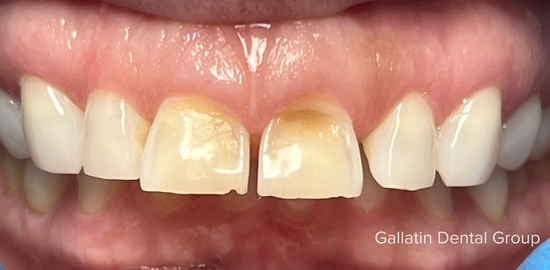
<point>195,148</point>
<point>492,196</point>
<point>42,189</point>
<point>11,127</point>
<point>12,171</point>
<point>437,200</point>
<point>54,127</point>
<point>401,151</point>
<point>114,138</point>
<point>542,143</point>
<point>310,152</point>
<point>94,193</point>
<point>469,140</point>
<point>519,134</point>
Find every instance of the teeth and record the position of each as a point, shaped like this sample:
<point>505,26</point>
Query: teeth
<point>372,193</point>
<point>54,127</point>
<point>469,140</point>
<point>114,137</point>
<point>310,152</point>
<point>195,148</point>
<point>519,134</point>
<point>94,193</point>
<point>542,143</point>
<point>43,189</point>
<point>401,151</point>
<point>12,171</point>
<point>237,202</point>
<point>437,200</point>
<point>11,127</point>
<point>493,195</point>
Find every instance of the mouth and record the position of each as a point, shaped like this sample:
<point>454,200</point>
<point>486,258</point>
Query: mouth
<point>375,135</point>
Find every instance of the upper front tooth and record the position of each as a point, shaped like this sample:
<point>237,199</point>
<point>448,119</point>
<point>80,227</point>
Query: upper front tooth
<point>469,140</point>
<point>195,148</point>
<point>310,151</point>
<point>42,189</point>
<point>114,137</point>
<point>542,143</point>
<point>519,134</point>
<point>54,127</point>
<point>11,127</point>
<point>401,151</point>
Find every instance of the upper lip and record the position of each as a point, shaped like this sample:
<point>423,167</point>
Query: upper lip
<point>237,11</point>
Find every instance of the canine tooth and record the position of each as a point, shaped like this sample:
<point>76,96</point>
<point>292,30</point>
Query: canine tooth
<point>401,151</point>
<point>437,200</point>
<point>114,137</point>
<point>11,127</point>
<point>372,193</point>
<point>469,140</point>
<point>492,196</point>
<point>54,127</point>
<point>42,189</point>
<point>542,143</point>
<point>195,148</point>
<point>12,170</point>
<point>310,151</point>
<point>519,134</point>
<point>94,193</point>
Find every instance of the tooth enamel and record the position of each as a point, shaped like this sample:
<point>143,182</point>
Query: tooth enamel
<point>310,152</point>
<point>54,127</point>
<point>519,134</point>
<point>42,189</point>
<point>542,143</point>
<point>114,138</point>
<point>492,196</point>
<point>12,171</point>
<point>94,193</point>
<point>11,127</point>
<point>195,148</point>
<point>401,151</point>
<point>437,200</point>
<point>236,202</point>
<point>469,140</point>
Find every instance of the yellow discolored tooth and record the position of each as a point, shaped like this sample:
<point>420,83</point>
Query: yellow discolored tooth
<point>94,193</point>
<point>43,189</point>
<point>492,196</point>
<point>115,136</point>
<point>310,151</point>
<point>12,169</point>
<point>195,148</point>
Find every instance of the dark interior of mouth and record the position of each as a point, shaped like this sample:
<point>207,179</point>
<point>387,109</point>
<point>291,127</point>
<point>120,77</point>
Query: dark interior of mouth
<point>146,230</point>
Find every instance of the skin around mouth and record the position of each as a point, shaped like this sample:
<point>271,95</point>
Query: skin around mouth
<point>366,58</point>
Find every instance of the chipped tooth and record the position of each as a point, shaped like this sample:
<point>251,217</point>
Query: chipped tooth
<point>195,148</point>
<point>11,127</point>
<point>94,193</point>
<point>401,151</point>
<point>519,134</point>
<point>469,140</point>
<point>437,200</point>
<point>492,196</point>
<point>54,127</point>
<point>114,137</point>
<point>372,193</point>
<point>12,170</point>
<point>310,151</point>
<point>542,143</point>
<point>237,202</point>
<point>42,189</point>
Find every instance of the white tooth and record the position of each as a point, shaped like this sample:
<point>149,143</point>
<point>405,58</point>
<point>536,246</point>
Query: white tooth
<point>542,143</point>
<point>401,151</point>
<point>54,127</point>
<point>195,148</point>
<point>437,200</point>
<point>11,127</point>
<point>469,140</point>
<point>94,193</point>
<point>519,134</point>
<point>310,152</point>
<point>492,196</point>
<point>114,137</point>
<point>42,189</point>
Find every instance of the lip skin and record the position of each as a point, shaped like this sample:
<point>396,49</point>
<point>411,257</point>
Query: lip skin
<point>255,59</point>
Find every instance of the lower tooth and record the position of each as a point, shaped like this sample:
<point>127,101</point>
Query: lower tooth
<point>542,143</point>
<point>437,200</point>
<point>372,194</point>
<point>492,196</point>
<point>11,127</point>
<point>42,189</point>
<point>12,170</point>
<point>94,193</point>
<point>519,134</point>
<point>195,148</point>
<point>310,151</point>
